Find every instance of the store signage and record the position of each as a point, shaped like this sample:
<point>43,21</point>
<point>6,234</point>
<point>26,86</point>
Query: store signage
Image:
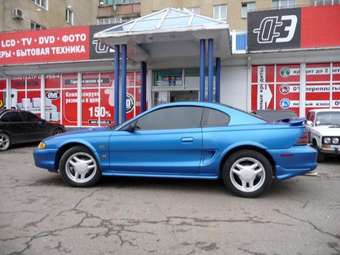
<point>294,28</point>
<point>52,45</point>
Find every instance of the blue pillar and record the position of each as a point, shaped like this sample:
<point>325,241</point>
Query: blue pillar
<point>210,69</point>
<point>202,70</point>
<point>143,88</point>
<point>124,67</point>
<point>116,85</point>
<point>218,80</point>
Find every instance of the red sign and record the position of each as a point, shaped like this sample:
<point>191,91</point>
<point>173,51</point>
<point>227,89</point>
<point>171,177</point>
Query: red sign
<point>320,26</point>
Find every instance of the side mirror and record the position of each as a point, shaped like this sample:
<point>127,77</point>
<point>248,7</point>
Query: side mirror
<point>309,123</point>
<point>131,127</point>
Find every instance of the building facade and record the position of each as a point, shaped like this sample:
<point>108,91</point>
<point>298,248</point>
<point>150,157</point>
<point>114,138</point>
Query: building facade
<point>233,12</point>
<point>292,64</point>
<point>117,11</point>
<point>41,14</point>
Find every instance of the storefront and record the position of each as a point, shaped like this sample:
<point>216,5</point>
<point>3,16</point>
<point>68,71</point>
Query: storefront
<point>67,74</point>
<point>63,75</point>
<point>295,59</point>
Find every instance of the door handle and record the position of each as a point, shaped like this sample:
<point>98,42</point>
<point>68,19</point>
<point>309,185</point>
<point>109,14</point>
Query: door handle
<point>187,139</point>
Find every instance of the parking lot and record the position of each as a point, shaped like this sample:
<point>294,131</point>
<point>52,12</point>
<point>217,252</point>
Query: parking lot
<point>40,215</point>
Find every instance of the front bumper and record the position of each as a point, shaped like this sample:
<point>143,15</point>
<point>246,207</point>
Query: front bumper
<point>45,159</point>
<point>330,150</point>
<point>294,161</point>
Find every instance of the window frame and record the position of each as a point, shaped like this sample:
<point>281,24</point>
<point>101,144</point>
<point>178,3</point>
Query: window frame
<point>7,113</point>
<point>69,16</point>
<point>135,122</point>
<point>206,115</point>
<point>219,11</point>
<point>40,4</point>
<point>245,8</point>
<point>283,4</point>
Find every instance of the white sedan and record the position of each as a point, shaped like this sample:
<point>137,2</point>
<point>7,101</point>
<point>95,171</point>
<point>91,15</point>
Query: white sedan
<point>324,130</point>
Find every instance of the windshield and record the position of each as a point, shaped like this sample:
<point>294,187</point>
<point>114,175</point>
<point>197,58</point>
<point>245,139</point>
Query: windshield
<point>328,118</point>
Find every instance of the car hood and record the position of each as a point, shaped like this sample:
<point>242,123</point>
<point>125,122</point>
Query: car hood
<point>79,132</point>
<point>328,130</point>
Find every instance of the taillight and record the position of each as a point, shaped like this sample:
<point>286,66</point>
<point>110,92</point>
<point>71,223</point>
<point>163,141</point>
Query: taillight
<point>303,139</point>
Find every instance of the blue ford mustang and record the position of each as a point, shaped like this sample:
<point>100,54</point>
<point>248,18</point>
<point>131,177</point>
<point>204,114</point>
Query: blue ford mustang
<point>184,140</point>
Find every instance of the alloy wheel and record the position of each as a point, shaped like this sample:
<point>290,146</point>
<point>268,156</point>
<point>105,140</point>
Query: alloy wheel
<point>247,174</point>
<point>81,167</point>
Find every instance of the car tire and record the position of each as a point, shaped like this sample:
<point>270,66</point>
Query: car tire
<point>79,168</point>
<point>5,141</point>
<point>247,173</point>
<point>321,156</point>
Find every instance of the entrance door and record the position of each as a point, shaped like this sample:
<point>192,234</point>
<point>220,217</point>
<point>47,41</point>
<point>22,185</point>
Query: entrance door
<point>179,96</point>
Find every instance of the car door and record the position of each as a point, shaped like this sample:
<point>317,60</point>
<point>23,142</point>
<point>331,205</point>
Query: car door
<point>166,141</point>
<point>37,131</point>
<point>12,123</point>
<point>216,138</point>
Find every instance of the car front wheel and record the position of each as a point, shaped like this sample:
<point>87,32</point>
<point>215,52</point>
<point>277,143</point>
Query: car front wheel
<point>5,142</point>
<point>247,173</point>
<point>78,167</point>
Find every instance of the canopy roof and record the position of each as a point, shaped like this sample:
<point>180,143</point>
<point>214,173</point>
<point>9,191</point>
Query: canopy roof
<point>150,35</point>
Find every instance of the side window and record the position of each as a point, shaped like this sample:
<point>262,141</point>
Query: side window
<point>172,118</point>
<point>11,117</point>
<point>27,116</point>
<point>214,118</point>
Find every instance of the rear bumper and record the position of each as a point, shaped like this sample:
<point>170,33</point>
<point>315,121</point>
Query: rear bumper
<point>294,161</point>
<point>45,159</point>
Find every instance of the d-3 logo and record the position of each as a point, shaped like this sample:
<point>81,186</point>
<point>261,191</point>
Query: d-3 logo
<point>268,32</point>
<point>274,29</point>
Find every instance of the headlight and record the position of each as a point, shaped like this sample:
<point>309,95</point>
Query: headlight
<point>41,146</point>
<point>335,140</point>
<point>327,140</point>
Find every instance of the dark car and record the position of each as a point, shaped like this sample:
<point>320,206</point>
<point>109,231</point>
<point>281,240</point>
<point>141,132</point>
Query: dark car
<point>24,127</point>
<point>276,115</point>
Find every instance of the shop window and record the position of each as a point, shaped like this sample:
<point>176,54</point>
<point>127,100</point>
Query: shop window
<point>282,4</point>
<point>69,16</point>
<point>2,93</point>
<point>247,7</point>
<point>220,12</point>
<point>41,3</point>
<point>168,77</point>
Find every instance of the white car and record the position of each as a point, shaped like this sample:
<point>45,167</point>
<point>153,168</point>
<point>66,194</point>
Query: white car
<point>324,130</point>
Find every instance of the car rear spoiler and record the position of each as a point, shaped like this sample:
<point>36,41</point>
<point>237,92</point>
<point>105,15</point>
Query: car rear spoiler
<point>294,122</point>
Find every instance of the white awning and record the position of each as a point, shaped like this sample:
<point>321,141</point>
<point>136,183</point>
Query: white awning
<point>168,33</point>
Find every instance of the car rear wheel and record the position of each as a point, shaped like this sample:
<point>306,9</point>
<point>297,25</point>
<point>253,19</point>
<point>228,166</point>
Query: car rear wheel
<point>78,167</point>
<point>5,142</point>
<point>247,173</point>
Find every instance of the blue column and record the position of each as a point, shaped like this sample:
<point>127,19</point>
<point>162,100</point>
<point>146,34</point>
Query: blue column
<point>143,88</point>
<point>202,70</point>
<point>210,69</point>
<point>124,67</point>
<point>218,80</point>
<point>116,85</point>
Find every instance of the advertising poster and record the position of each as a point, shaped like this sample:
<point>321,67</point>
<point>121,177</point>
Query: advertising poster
<point>69,99</point>
<point>322,87</point>
<point>53,98</point>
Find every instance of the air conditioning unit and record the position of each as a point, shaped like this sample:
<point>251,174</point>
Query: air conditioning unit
<point>17,13</point>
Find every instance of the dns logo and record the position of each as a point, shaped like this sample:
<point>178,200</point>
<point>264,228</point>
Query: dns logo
<point>267,31</point>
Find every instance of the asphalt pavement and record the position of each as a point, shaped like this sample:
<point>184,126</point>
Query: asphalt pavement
<point>41,215</point>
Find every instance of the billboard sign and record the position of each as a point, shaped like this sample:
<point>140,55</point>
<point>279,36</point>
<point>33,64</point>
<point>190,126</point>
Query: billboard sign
<point>52,45</point>
<point>294,28</point>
